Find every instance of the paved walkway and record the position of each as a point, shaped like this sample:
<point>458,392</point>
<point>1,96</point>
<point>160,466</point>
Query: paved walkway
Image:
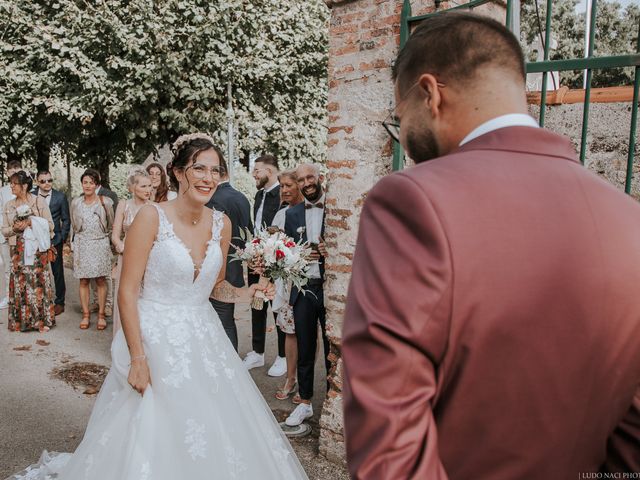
<point>40,412</point>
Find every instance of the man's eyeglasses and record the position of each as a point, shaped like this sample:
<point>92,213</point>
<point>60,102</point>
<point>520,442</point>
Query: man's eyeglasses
<point>49,180</point>
<point>392,123</point>
<point>199,171</point>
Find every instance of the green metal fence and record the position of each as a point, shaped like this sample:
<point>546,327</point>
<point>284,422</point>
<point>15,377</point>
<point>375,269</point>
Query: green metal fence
<point>589,63</point>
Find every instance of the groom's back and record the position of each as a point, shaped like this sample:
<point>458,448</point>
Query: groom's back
<point>543,353</point>
<point>509,294</point>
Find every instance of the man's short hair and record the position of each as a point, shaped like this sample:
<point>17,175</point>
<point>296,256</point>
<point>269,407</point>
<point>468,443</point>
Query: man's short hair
<point>268,160</point>
<point>454,46</point>
<point>43,172</point>
<point>14,165</point>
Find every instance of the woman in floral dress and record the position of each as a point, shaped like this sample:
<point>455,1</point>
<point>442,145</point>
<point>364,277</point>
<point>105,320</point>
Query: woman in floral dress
<point>139,185</point>
<point>92,219</point>
<point>31,301</point>
<point>290,195</point>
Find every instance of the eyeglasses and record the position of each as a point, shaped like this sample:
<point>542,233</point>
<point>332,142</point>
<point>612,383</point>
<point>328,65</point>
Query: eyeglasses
<point>50,180</point>
<point>199,171</point>
<point>392,123</point>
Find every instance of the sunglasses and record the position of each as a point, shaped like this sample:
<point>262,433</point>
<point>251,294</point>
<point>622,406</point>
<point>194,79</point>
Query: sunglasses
<point>50,180</point>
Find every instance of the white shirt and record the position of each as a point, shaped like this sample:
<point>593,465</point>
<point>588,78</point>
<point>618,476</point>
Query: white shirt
<point>509,120</point>
<point>258,222</point>
<point>313,221</point>
<point>5,197</point>
<point>47,197</point>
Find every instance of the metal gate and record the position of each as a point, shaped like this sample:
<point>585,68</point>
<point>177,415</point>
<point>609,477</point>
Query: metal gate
<point>588,63</point>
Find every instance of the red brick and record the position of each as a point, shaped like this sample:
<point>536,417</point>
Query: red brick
<point>333,106</point>
<point>337,223</point>
<point>346,50</point>
<point>338,268</point>
<point>332,142</point>
<point>340,212</point>
<point>341,164</point>
<point>346,129</point>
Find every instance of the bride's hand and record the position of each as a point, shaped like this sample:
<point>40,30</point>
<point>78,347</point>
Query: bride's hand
<point>269,291</point>
<point>139,375</point>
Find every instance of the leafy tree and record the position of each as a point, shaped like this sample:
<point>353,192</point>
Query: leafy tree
<point>616,34</point>
<point>110,80</point>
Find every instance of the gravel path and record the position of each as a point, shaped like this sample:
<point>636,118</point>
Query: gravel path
<point>38,410</point>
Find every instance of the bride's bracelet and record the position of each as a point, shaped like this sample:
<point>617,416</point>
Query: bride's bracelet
<point>139,357</point>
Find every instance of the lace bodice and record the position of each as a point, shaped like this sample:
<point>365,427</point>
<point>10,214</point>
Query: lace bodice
<point>169,276</point>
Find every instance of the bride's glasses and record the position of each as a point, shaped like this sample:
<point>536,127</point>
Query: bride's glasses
<point>199,171</point>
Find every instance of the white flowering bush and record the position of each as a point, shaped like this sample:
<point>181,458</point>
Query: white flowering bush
<point>109,80</point>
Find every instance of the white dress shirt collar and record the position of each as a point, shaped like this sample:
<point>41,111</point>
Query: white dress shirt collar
<point>509,120</point>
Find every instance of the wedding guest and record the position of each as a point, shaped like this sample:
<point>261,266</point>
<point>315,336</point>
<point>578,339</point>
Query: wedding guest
<point>31,304</point>
<point>492,324</point>
<point>105,192</point>
<point>13,166</point>
<point>139,186</point>
<point>305,222</point>
<point>234,205</point>
<point>59,208</point>
<point>290,196</point>
<point>92,219</point>
<point>160,185</point>
<point>266,204</point>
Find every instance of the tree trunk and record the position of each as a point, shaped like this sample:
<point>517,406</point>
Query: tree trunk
<point>43,151</point>
<point>103,168</point>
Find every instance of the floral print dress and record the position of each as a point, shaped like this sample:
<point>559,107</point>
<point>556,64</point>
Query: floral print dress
<point>31,298</point>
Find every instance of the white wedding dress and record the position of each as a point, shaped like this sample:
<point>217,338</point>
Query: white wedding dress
<point>203,417</point>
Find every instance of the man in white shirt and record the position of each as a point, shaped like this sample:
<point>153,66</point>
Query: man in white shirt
<point>305,222</point>
<point>6,196</point>
<point>266,204</point>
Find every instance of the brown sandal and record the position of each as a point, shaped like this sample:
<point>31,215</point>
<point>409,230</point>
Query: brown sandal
<point>102,322</point>
<point>84,324</point>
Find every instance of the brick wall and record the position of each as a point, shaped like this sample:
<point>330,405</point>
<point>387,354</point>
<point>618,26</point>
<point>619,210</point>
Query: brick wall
<point>364,37</point>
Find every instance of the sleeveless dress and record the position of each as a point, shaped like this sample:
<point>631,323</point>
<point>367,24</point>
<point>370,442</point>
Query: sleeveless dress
<point>203,417</point>
<point>130,212</point>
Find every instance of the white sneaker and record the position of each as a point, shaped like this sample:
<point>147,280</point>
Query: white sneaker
<point>278,368</point>
<point>253,360</point>
<point>4,304</point>
<point>299,415</point>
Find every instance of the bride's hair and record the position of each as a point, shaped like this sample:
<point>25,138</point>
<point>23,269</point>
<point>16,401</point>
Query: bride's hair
<point>186,148</point>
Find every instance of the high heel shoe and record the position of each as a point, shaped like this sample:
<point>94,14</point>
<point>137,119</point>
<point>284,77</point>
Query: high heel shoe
<point>284,392</point>
<point>84,324</point>
<point>102,321</point>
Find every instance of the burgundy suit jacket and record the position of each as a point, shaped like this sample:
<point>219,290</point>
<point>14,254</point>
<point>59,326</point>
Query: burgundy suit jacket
<point>492,328</point>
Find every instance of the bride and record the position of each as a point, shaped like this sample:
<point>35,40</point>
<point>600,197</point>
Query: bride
<point>177,402</point>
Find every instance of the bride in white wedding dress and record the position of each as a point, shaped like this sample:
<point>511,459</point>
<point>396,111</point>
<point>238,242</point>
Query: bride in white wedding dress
<point>200,415</point>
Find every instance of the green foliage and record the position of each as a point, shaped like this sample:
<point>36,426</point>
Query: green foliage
<point>616,34</point>
<point>110,80</point>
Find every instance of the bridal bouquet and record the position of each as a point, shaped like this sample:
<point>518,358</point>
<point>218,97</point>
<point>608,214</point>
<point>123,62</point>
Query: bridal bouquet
<point>23,212</point>
<point>277,256</point>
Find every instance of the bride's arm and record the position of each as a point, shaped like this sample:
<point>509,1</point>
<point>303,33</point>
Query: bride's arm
<point>140,238</point>
<point>223,290</point>
<point>225,241</point>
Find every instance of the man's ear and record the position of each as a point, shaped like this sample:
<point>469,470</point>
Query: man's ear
<point>432,97</point>
<point>321,178</point>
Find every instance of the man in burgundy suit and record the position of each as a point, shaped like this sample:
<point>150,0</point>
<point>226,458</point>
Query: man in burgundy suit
<point>492,328</point>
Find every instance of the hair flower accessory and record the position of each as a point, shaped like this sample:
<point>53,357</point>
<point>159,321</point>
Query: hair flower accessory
<point>182,140</point>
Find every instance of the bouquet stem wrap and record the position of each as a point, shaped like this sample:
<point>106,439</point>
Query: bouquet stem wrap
<point>258,299</point>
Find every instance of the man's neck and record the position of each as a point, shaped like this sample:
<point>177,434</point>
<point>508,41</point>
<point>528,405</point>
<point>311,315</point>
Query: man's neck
<point>270,184</point>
